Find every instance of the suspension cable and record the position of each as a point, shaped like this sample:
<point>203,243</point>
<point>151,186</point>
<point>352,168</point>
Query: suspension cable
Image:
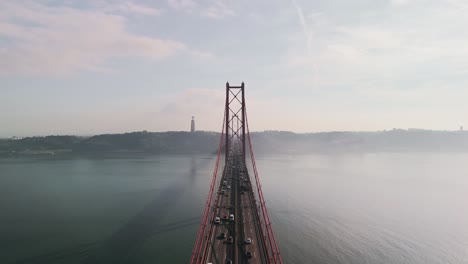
<point>269,231</point>
<point>201,231</point>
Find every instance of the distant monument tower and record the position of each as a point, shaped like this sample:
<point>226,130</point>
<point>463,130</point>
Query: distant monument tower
<point>192,125</point>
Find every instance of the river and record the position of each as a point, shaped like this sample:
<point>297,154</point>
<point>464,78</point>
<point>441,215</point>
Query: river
<point>382,208</point>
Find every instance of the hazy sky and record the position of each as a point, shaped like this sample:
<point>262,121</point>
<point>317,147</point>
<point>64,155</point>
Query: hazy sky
<point>96,66</point>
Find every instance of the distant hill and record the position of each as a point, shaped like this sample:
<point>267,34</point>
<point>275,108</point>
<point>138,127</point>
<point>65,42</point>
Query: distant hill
<point>147,142</point>
<point>397,140</point>
<point>152,142</point>
<point>264,142</point>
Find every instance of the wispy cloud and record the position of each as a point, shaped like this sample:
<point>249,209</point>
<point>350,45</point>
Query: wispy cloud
<point>215,9</point>
<point>303,22</point>
<point>182,4</point>
<point>138,9</point>
<point>43,39</point>
<point>461,4</point>
<point>218,10</point>
<point>399,2</point>
<point>393,52</point>
<point>207,105</point>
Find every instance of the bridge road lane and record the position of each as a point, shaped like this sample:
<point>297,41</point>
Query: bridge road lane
<point>249,225</point>
<point>245,225</point>
<point>221,251</point>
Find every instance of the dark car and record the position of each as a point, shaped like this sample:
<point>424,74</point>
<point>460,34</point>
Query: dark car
<point>230,240</point>
<point>248,254</point>
<point>228,261</point>
<point>222,235</point>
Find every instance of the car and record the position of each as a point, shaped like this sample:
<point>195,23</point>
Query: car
<point>224,183</point>
<point>230,240</point>
<point>248,241</point>
<point>223,191</point>
<point>225,217</point>
<point>229,186</point>
<point>231,217</point>
<point>242,192</point>
<point>248,254</point>
<point>228,261</point>
<point>222,235</point>
<point>217,220</point>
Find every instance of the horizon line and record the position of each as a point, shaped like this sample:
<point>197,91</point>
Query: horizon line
<point>264,131</point>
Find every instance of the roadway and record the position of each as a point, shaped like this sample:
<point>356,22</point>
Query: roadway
<point>250,223</point>
<point>238,200</point>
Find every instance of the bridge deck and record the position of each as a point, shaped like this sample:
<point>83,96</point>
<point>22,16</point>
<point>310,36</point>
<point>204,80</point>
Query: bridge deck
<point>237,199</point>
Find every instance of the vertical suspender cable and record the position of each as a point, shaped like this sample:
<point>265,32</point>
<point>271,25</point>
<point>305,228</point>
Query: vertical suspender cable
<point>202,240</point>
<point>201,231</point>
<point>272,240</point>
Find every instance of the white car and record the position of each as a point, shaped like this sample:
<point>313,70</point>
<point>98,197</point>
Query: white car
<point>217,220</point>
<point>229,187</point>
<point>248,241</point>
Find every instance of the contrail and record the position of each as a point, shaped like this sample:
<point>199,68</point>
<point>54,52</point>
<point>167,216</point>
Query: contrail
<point>303,24</point>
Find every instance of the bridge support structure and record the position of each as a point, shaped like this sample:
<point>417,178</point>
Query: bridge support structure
<point>236,195</point>
<point>235,114</point>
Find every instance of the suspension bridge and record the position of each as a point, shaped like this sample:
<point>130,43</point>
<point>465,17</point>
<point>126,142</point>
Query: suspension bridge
<point>235,226</point>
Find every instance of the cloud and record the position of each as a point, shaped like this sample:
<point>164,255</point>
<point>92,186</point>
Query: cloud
<point>207,105</point>
<point>55,40</point>
<point>171,111</point>
<point>399,2</point>
<point>401,52</point>
<point>214,9</point>
<point>161,112</point>
<point>218,10</point>
<point>460,4</point>
<point>139,9</point>
<point>190,100</point>
<point>182,4</point>
<point>303,22</point>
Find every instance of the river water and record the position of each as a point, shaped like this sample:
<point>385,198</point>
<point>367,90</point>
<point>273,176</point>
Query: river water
<point>383,208</point>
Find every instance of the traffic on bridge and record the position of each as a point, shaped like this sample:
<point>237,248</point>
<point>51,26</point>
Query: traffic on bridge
<point>235,226</point>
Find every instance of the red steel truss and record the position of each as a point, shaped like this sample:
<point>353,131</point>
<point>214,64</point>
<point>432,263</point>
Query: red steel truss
<point>235,126</point>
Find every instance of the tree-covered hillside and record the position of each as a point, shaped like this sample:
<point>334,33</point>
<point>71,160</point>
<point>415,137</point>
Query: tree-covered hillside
<point>264,142</point>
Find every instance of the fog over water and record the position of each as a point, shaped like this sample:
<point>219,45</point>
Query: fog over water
<point>97,98</point>
<point>354,208</point>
